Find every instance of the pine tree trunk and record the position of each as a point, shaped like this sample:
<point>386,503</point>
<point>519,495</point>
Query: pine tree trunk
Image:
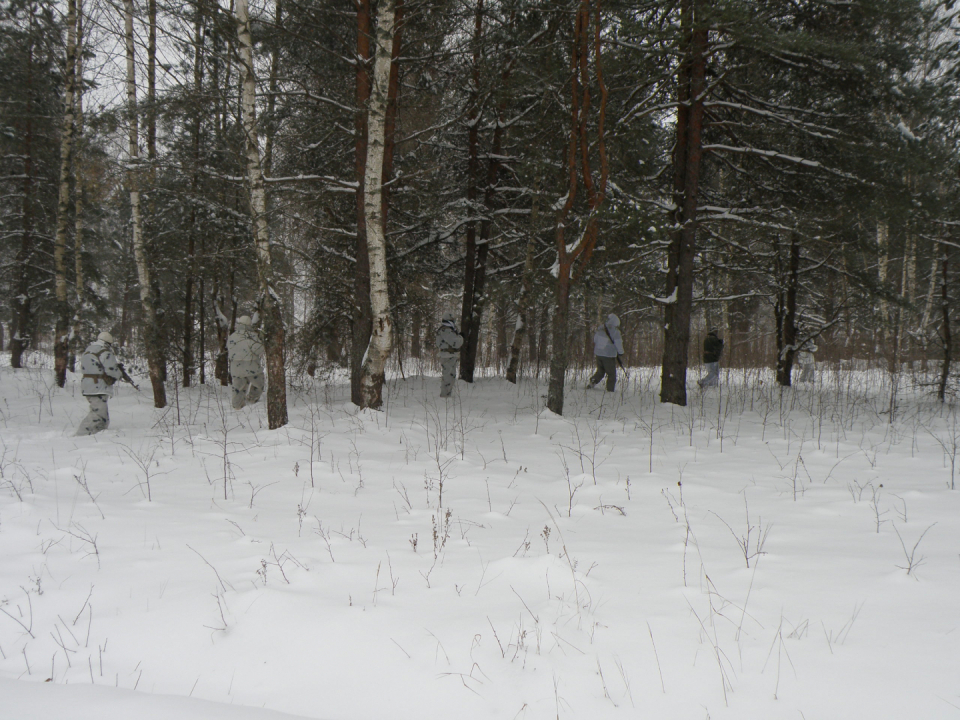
<point>945,329</point>
<point>22,315</point>
<point>571,261</point>
<point>61,343</point>
<point>362,320</point>
<point>687,157</point>
<point>381,337</point>
<point>271,309</point>
<point>526,283</point>
<point>79,295</point>
<point>188,301</point>
<point>150,333</point>
<point>786,310</point>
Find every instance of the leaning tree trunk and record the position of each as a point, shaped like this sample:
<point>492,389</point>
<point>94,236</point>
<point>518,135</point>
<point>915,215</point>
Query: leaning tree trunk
<point>271,309</point>
<point>150,333</point>
<point>687,156</point>
<point>381,337</point>
<point>61,342</point>
<point>571,260</point>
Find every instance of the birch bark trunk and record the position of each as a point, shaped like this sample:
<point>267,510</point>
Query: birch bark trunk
<point>381,337</point>
<point>270,304</point>
<point>150,335</point>
<point>61,344</point>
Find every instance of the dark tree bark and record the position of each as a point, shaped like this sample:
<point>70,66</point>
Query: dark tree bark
<point>188,301</point>
<point>686,163</point>
<point>362,318</point>
<point>946,334</point>
<point>571,261</point>
<point>23,331</point>
<point>786,311</point>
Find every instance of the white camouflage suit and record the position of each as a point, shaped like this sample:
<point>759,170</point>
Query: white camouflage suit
<point>449,342</point>
<point>100,371</point>
<point>245,352</point>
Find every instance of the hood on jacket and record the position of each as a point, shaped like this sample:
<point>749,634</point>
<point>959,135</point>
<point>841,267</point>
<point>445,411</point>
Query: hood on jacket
<point>612,321</point>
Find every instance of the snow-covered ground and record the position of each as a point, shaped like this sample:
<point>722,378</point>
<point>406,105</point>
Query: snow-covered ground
<point>756,556</point>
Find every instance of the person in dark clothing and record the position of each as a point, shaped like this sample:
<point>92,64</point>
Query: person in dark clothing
<point>712,349</point>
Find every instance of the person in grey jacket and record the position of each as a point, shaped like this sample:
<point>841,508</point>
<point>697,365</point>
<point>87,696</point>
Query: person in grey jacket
<point>608,347</point>
<point>245,354</point>
<point>100,371</point>
<point>449,342</point>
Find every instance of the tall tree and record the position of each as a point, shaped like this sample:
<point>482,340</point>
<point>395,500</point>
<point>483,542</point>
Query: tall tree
<point>151,338</point>
<point>271,309</point>
<point>381,337</point>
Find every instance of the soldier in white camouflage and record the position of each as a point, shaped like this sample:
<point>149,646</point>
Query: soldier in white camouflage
<point>245,353</point>
<point>100,371</point>
<point>449,342</point>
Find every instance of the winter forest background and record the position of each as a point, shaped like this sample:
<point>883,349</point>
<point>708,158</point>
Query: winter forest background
<point>346,171</point>
<point>783,171</point>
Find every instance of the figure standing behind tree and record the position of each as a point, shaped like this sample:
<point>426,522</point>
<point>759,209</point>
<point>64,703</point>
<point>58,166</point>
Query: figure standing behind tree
<point>808,363</point>
<point>100,371</point>
<point>245,353</point>
<point>449,342</point>
<point>712,349</point>
<point>608,347</point>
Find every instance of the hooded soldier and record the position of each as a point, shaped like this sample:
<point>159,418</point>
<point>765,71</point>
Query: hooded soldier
<point>449,342</point>
<point>608,347</point>
<point>245,353</point>
<point>100,371</point>
<point>712,349</point>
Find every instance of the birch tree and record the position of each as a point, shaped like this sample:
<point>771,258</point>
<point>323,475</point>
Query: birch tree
<point>61,346</point>
<point>381,336</point>
<point>271,310</point>
<point>150,330</point>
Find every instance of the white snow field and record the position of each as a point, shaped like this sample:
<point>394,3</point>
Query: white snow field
<point>755,556</point>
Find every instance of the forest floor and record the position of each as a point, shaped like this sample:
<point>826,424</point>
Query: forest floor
<point>757,555</point>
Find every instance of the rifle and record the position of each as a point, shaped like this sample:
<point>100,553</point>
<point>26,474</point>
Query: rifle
<point>125,377</point>
<point>619,361</point>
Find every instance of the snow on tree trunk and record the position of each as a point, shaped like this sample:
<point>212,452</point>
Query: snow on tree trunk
<point>61,343</point>
<point>687,156</point>
<point>572,258</point>
<point>270,305</point>
<point>150,334</point>
<point>381,336</point>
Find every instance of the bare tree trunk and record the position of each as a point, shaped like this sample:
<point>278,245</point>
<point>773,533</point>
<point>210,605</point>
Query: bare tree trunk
<point>188,301</point>
<point>150,333</point>
<point>362,323</point>
<point>79,299</point>
<point>687,156</point>
<point>61,343</point>
<point>271,310</point>
<point>786,311</point>
<point>22,330</point>
<point>381,338</point>
<point>571,261</point>
<point>946,334</point>
<point>526,283</point>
